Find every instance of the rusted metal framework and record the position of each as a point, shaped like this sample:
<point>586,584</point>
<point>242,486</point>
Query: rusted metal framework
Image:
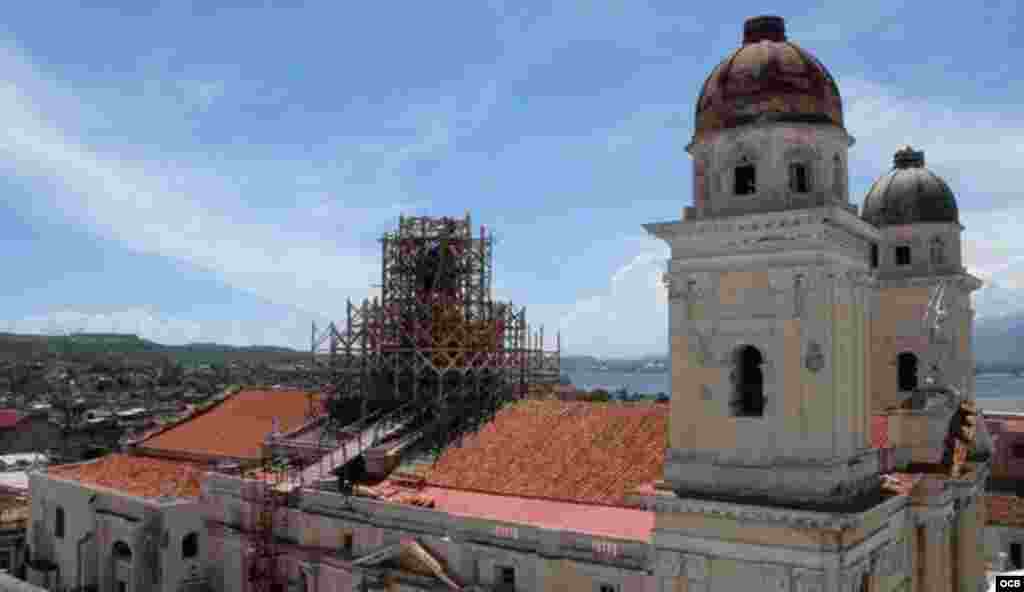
<point>279,488</point>
<point>434,350</point>
<point>432,357</point>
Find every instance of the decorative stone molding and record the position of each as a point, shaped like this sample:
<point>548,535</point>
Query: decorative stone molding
<point>764,514</point>
<point>776,578</point>
<point>808,580</point>
<point>696,567</point>
<point>668,564</point>
<point>815,358</point>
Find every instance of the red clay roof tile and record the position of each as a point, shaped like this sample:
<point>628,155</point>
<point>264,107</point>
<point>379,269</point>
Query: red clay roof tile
<point>563,450</point>
<point>235,428</point>
<point>137,475</point>
<point>1005,510</point>
<point>880,431</point>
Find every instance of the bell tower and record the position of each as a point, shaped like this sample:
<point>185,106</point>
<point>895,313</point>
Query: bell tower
<point>770,289</point>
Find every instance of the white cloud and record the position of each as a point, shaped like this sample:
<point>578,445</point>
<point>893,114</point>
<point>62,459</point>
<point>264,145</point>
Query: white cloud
<point>630,317</point>
<point>191,215</point>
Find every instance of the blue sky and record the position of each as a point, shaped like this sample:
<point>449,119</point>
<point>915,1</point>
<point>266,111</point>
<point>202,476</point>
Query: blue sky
<point>193,173</point>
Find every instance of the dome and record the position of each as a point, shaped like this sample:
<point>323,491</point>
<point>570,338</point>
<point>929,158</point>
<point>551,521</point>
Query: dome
<point>767,79</point>
<point>909,193</point>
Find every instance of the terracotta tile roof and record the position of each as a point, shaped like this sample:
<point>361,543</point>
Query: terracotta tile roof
<point>623,523</point>
<point>880,431</point>
<point>563,450</point>
<point>236,427</point>
<point>998,424</point>
<point>136,475</point>
<point>9,418</point>
<point>1005,510</point>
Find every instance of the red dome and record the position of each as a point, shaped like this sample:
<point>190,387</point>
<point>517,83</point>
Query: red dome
<point>767,79</point>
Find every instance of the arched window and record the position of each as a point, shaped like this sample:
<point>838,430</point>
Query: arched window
<point>190,545</point>
<point>874,255</point>
<point>799,177</point>
<point>748,382</point>
<point>938,251</point>
<point>122,552</point>
<point>58,523</point>
<point>745,178</point>
<point>906,370</point>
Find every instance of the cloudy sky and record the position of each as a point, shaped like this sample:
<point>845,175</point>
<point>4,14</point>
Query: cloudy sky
<point>222,174</point>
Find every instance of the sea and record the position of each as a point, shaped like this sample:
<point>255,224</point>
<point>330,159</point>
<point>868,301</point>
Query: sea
<point>996,392</point>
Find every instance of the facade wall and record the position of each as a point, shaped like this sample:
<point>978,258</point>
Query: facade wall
<point>95,520</point>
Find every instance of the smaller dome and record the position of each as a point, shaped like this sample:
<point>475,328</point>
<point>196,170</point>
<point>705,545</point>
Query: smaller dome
<point>909,193</point>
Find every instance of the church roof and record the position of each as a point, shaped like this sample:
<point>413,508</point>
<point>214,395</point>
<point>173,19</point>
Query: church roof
<point>909,193</point>
<point>563,450</point>
<point>767,79</point>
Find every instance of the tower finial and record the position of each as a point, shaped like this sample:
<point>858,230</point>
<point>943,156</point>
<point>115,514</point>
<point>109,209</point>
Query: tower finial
<point>764,28</point>
<point>906,158</point>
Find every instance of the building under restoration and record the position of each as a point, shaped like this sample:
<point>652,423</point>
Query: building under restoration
<point>821,434</point>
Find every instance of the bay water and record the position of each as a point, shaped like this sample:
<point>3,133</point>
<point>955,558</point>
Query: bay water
<point>996,392</point>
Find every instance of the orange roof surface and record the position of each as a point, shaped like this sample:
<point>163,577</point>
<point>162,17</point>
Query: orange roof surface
<point>236,427</point>
<point>562,450</point>
<point>136,475</point>
<point>1005,510</point>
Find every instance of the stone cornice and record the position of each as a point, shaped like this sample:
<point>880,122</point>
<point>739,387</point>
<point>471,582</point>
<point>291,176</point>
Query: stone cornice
<point>752,513</point>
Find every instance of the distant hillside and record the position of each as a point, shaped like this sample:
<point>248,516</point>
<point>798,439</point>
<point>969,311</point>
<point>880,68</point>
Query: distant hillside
<point>89,345</point>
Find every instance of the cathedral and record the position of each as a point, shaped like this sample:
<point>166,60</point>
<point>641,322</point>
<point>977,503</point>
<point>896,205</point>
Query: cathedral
<point>823,434</point>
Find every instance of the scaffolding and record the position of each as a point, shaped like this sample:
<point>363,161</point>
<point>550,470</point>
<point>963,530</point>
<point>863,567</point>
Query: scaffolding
<point>430,359</point>
<point>434,352</point>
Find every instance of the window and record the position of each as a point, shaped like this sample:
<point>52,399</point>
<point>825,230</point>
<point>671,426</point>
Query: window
<point>58,523</point>
<point>122,586</point>
<point>5,560</point>
<point>874,256</point>
<point>122,552</point>
<point>799,178</point>
<point>347,542</point>
<point>190,545</point>
<point>906,366</point>
<point>607,588</point>
<point>748,379</point>
<point>506,578</point>
<point>903,255</point>
<point>938,251</point>
<point>1017,450</point>
<point>746,179</point>
<point>1016,557</point>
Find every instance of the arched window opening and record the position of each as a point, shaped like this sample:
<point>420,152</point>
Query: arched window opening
<point>799,177</point>
<point>190,545</point>
<point>874,256</point>
<point>122,552</point>
<point>938,251</point>
<point>906,364</point>
<point>748,396</point>
<point>745,181</point>
<point>58,523</point>
<point>902,255</point>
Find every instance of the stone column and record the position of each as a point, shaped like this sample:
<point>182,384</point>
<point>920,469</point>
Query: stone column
<point>969,552</point>
<point>937,557</point>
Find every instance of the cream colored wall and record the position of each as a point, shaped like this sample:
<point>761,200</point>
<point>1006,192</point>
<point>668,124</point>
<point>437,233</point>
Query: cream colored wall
<point>814,408</point>
<point>766,534</point>
<point>896,306</point>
